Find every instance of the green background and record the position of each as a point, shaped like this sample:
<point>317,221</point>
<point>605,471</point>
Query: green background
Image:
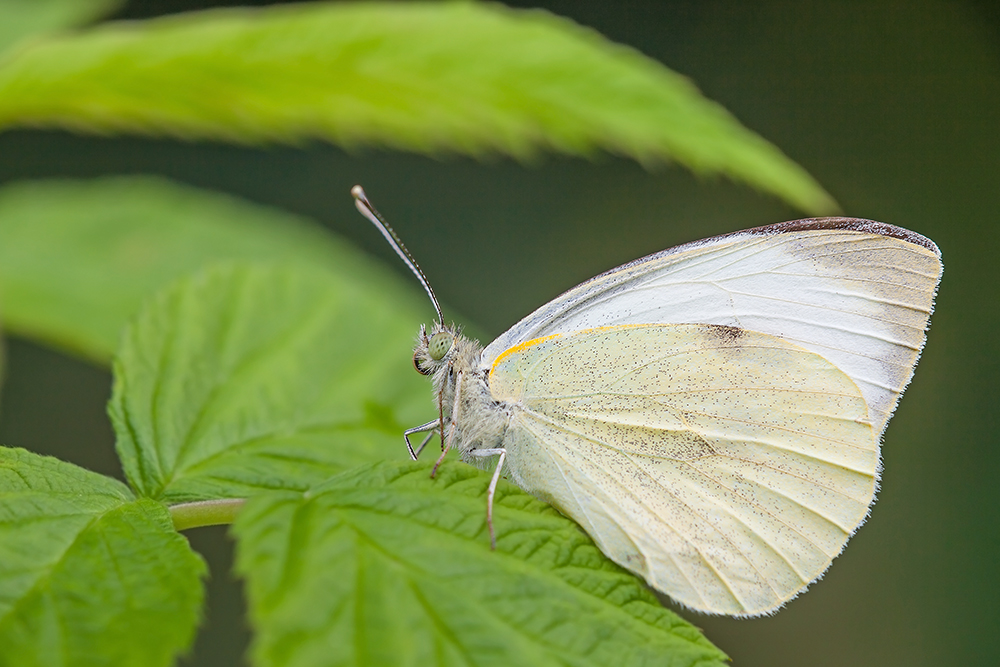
<point>894,107</point>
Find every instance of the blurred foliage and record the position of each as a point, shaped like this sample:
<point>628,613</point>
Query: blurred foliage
<point>428,77</point>
<point>21,19</point>
<point>78,257</point>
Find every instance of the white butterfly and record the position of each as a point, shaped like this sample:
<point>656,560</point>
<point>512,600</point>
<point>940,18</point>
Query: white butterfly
<point>710,414</point>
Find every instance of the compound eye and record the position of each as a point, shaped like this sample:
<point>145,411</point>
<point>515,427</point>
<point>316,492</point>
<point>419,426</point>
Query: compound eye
<point>439,345</point>
<point>420,369</point>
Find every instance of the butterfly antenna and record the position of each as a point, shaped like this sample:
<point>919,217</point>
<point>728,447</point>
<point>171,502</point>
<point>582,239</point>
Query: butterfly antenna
<point>367,210</point>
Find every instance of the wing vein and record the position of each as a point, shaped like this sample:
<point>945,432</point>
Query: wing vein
<point>552,452</point>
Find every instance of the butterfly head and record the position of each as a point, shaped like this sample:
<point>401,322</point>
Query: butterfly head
<point>432,349</point>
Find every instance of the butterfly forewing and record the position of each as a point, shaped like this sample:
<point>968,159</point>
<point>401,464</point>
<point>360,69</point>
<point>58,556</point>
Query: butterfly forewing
<point>855,292</point>
<point>727,467</point>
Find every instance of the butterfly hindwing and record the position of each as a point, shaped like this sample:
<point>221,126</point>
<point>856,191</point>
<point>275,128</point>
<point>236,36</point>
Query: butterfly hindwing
<point>727,467</point>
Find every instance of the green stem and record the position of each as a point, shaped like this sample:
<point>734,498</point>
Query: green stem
<point>205,513</point>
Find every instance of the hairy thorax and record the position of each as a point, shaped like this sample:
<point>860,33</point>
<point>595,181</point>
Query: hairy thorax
<point>476,421</point>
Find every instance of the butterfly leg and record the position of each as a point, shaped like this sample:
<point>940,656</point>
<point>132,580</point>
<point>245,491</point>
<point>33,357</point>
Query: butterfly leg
<point>485,453</point>
<point>444,452</point>
<point>452,424</point>
<point>429,428</point>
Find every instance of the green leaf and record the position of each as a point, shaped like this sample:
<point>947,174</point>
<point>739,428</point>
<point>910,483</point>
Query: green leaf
<point>245,378</point>
<point>384,566</point>
<point>21,18</point>
<point>78,257</point>
<point>88,576</point>
<point>473,78</point>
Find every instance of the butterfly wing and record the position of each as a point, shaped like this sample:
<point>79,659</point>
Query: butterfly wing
<point>856,292</point>
<point>726,467</point>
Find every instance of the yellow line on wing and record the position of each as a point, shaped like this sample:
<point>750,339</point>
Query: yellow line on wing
<point>520,347</point>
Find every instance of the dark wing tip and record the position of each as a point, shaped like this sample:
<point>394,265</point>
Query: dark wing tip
<point>852,224</point>
<point>807,224</point>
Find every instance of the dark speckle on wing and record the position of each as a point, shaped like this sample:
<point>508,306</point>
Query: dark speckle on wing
<point>731,335</point>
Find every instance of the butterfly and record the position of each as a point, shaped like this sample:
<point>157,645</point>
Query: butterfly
<point>710,414</point>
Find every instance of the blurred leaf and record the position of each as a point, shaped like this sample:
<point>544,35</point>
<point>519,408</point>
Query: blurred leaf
<point>385,566</point>
<point>78,257</point>
<point>88,576</point>
<point>21,18</point>
<point>428,77</point>
<point>245,378</point>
